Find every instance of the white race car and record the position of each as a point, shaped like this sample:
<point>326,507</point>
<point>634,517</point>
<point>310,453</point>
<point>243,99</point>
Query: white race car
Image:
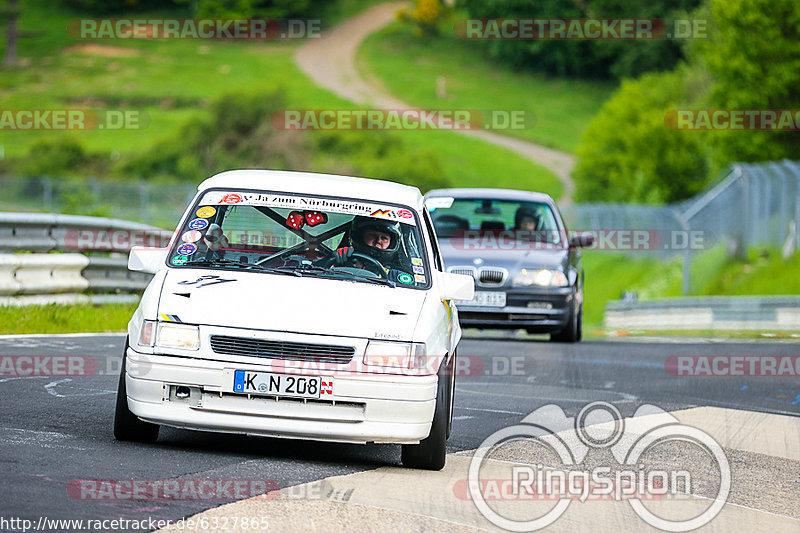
<point>297,305</point>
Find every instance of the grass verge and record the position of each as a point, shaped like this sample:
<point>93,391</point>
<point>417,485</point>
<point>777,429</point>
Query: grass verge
<point>409,67</point>
<point>56,318</point>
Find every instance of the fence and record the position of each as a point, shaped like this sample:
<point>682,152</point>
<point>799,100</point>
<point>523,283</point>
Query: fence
<point>756,204</point>
<point>157,204</point>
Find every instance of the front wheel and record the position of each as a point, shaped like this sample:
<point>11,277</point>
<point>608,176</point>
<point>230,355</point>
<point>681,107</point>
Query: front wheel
<point>127,426</point>
<point>573,330</point>
<point>430,453</point>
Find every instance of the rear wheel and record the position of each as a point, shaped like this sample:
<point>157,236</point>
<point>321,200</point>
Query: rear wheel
<point>430,453</point>
<point>127,426</point>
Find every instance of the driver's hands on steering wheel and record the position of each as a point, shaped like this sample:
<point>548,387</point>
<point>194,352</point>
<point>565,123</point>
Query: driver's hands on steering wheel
<point>344,255</point>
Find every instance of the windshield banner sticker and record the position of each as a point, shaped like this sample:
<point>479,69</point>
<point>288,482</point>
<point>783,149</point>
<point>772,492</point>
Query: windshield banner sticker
<point>306,203</point>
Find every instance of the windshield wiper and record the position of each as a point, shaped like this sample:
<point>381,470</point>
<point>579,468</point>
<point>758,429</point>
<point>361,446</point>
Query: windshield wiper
<point>228,262</point>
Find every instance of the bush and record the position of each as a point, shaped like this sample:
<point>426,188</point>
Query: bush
<point>380,154</point>
<point>584,58</point>
<point>627,154</point>
<point>59,156</point>
<point>426,16</point>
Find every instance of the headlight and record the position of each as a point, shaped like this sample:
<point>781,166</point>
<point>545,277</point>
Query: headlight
<point>147,335</point>
<point>543,277</point>
<point>179,336</point>
<point>395,354</point>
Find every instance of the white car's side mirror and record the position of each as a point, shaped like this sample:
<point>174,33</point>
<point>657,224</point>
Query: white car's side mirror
<point>145,259</point>
<point>456,286</point>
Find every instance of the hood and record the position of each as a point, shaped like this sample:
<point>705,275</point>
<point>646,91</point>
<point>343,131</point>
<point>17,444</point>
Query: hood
<point>287,303</point>
<point>511,259</point>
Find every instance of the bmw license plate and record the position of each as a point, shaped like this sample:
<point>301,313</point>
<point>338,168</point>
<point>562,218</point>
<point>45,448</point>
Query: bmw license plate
<point>485,299</point>
<point>249,382</point>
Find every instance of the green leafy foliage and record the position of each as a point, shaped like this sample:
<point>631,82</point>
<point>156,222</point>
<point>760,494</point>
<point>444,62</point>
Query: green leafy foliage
<point>584,58</point>
<point>629,154</point>
<point>751,60</point>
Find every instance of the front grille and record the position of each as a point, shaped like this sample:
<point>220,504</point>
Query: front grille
<point>492,276</point>
<point>295,351</point>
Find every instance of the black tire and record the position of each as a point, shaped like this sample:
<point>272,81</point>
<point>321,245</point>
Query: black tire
<point>430,453</point>
<point>127,426</point>
<point>572,330</point>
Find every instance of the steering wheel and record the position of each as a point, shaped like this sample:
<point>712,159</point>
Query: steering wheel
<point>370,262</point>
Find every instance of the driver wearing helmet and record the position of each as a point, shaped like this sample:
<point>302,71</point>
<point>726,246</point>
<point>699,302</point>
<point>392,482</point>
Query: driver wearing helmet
<point>376,238</point>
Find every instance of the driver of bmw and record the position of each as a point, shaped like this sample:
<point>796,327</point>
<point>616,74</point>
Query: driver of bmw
<point>379,239</point>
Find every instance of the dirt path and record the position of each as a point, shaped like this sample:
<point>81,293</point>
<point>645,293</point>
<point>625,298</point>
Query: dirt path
<point>331,62</point>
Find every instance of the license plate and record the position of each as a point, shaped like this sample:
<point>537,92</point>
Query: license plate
<point>485,299</point>
<point>248,382</point>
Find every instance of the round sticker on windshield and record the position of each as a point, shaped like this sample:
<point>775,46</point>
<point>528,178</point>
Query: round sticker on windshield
<point>186,249</point>
<point>206,211</point>
<point>179,260</point>
<point>191,236</point>
<point>198,224</point>
<point>405,278</point>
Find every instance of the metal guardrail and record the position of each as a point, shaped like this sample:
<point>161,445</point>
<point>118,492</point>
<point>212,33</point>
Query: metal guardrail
<point>780,313</point>
<point>39,277</point>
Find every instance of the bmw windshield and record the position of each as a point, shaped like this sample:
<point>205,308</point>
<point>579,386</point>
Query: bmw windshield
<point>302,235</point>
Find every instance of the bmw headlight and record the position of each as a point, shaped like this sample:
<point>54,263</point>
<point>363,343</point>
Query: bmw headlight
<point>543,277</point>
<point>180,336</point>
<point>395,354</point>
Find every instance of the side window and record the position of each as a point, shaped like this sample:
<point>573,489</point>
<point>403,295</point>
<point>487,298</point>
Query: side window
<point>434,243</point>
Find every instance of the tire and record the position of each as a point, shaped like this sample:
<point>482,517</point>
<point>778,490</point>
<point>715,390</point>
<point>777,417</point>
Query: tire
<point>430,453</point>
<point>572,331</point>
<point>127,426</point>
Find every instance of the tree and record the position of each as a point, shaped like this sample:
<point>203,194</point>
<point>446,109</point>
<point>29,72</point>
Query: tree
<point>753,57</point>
<point>628,155</point>
<point>10,14</point>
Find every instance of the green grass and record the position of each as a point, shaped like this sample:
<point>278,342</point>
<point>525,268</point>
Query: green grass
<point>765,272</point>
<point>54,318</point>
<point>408,66</point>
<point>171,81</point>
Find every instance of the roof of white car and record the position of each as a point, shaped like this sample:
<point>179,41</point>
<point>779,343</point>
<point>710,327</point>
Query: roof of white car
<point>317,184</point>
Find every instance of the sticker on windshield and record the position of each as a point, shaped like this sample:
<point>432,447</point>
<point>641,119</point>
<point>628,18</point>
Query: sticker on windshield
<point>418,270</point>
<point>198,224</point>
<point>179,260</point>
<point>405,278</point>
<point>186,249</point>
<point>191,236</point>
<point>416,261</point>
<point>442,202</point>
<point>308,204</point>
<point>419,279</point>
<point>206,211</point>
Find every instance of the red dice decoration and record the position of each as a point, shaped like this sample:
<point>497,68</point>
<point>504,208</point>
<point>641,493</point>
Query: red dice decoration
<point>315,217</point>
<point>295,220</point>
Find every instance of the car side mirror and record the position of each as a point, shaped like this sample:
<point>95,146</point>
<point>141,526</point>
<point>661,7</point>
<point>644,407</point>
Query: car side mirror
<point>146,259</point>
<point>456,286</point>
<point>581,240</point>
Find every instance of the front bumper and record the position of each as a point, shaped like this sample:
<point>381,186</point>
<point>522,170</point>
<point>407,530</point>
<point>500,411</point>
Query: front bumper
<point>517,312</point>
<point>363,407</point>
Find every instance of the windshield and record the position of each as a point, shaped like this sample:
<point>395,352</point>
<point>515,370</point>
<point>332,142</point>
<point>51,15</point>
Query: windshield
<point>461,217</point>
<point>296,235</point>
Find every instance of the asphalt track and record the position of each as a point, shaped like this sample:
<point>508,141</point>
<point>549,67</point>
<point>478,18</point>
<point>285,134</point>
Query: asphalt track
<point>56,430</point>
